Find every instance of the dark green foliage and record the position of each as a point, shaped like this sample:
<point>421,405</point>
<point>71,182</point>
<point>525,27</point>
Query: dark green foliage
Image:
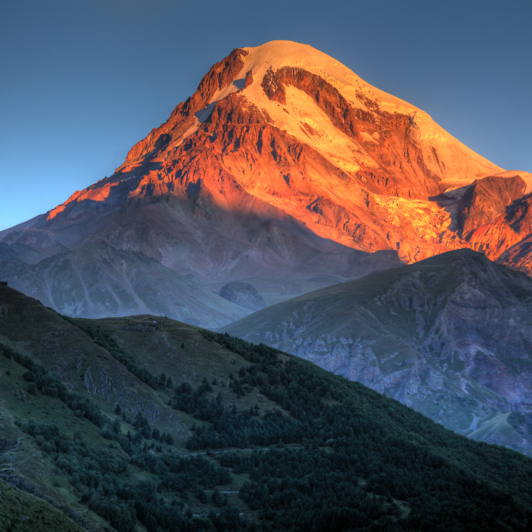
<point>49,384</point>
<point>29,376</point>
<point>100,474</point>
<point>259,354</point>
<point>331,455</point>
<point>218,499</point>
<point>202,496</point>
<point>449,482</point>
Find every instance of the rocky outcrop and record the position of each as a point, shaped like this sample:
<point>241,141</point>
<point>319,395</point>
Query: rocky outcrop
<point>243,294</point>
<point>218,78</point>
<point>519,256</point>
<point>486,199</point>
<point>504,237</point>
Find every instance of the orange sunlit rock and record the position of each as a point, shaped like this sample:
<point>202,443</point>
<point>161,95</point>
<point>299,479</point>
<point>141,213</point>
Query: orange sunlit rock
<point>285,131</point>
<point>94,193</point>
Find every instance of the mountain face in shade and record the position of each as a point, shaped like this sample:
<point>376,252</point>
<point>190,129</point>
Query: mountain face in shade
<point>97,280</point>
<point>450,336</point>
<point>279,171</point>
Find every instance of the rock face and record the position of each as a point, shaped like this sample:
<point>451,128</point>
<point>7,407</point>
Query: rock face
<point>450,336</point>
<point>279,166</point>
<point>243,294</point>
<point>487,199</point>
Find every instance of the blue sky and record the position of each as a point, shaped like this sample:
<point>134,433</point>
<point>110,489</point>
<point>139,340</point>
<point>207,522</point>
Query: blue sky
<point>82,81</point>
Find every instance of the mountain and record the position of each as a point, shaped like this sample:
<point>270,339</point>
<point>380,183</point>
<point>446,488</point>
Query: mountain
<point>144,423</point>
<point>450,336</point>
<point>97,280</point>
<point>279,167</point>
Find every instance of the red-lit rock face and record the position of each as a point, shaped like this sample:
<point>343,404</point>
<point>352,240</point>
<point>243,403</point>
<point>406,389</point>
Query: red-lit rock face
<point>486,199</point>
<point>218,78</point>
<point>391,146</point>
<point>283,132</point>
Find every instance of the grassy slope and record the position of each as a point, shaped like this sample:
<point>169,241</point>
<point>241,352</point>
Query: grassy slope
<point>22,512</point>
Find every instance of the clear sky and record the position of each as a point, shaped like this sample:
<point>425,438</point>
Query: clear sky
<point>81,81</point>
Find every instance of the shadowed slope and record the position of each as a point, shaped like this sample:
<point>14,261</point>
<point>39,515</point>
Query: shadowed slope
<point>97,280</point>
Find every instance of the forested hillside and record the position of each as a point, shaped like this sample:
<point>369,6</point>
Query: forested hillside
<point>145,423</point>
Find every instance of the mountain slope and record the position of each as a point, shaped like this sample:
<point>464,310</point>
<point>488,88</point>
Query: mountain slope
<point>97,280</point>
<point>118,440</point>
<point>449,336</point>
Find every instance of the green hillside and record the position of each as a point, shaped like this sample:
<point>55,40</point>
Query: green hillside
<point>144,423</point>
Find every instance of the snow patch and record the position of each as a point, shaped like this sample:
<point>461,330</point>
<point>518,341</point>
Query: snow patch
<point>277,54</point>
